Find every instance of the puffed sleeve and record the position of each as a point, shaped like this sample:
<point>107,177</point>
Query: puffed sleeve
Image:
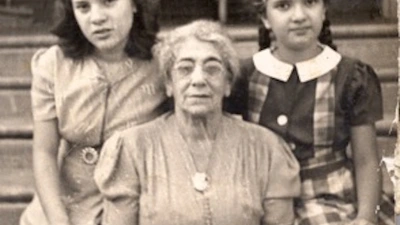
<point>42,92</point>
<point>117,179</point>
<point>283,171</point>
<point>364,96</point>
<point>283,183</point>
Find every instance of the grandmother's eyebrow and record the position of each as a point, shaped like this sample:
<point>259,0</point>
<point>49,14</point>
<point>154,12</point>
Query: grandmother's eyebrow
<point>213,59</point>
<point>186,59</point>
<point>208,59</point>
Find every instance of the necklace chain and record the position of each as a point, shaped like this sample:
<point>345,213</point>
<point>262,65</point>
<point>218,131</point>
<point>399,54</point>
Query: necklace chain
<point>200,180</point>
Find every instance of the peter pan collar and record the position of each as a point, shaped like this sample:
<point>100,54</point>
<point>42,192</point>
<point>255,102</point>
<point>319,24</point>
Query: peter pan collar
<point>310,69</point>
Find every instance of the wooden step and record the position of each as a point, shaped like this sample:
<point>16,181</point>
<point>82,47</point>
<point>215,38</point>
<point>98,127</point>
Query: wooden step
<point>16,62</point>
<point>15,103</point>
<point>241,12</point>
<point>16,180</point>
<point>10,212</point>
<point>389,96</point>
<point>180,12</point>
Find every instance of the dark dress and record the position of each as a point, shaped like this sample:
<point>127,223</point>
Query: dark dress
<point>313,105</point>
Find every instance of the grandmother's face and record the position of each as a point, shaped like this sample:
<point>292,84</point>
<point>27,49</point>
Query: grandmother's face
<point>198,78</point>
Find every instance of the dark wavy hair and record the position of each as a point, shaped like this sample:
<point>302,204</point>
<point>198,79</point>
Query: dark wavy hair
<point>142,35</point>
<point>264,34</point>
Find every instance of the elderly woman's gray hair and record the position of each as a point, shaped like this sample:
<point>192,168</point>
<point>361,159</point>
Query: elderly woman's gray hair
<point>203,30</point>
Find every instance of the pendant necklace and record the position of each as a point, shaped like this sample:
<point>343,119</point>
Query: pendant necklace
<point>201,181</point>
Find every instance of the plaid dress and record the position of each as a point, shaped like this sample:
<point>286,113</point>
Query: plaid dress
<point>313,106</point>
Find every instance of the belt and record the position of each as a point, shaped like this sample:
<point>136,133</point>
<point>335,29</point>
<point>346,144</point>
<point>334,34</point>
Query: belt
<point>88,154</point>
<point>323,170</point>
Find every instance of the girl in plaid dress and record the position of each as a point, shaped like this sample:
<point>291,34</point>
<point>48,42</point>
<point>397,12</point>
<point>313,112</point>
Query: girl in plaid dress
<point>320,102</point>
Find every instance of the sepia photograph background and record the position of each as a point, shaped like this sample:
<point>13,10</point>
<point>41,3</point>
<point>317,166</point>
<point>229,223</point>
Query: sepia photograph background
<point>363,29</point>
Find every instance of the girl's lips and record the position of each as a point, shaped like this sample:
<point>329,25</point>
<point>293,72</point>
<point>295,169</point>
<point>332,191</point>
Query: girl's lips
<point>102,33</point>
<point>300,28</point>
<point>300,31</point>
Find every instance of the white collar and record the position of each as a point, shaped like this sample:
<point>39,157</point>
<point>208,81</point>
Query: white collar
<point>310,69</point>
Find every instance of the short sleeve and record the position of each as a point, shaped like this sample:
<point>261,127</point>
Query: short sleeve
<point>117,179</point>
<point>42,92</point>
<point>283,181</point>
<point>364,96</point>
<point>283,172</point>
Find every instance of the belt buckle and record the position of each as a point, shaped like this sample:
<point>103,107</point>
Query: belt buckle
<point>89,155</point>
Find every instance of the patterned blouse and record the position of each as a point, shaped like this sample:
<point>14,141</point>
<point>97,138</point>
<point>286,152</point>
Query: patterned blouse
<point>89,108</point>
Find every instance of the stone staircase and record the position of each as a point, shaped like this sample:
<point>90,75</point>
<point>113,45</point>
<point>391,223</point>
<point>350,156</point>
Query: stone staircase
<point>374,44</point>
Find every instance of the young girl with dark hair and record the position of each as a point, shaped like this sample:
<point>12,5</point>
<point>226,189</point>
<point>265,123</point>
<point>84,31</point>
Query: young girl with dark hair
<point>99,79</point>
<point>141,37</point>
<point>320,102</point>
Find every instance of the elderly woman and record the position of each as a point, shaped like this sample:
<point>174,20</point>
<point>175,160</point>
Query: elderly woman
<point>197,164</point>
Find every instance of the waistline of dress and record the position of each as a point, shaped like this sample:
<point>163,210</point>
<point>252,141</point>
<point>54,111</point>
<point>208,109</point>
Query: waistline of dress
<point>88,154</point>
<point>323,165</point>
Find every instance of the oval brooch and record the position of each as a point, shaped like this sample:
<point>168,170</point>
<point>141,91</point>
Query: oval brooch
<point>200,182</point>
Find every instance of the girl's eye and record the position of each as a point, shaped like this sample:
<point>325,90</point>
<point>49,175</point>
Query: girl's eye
<point>82,6</point>
<point>282,5</point>
<point>109,2</point>
<point>311,2</point>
